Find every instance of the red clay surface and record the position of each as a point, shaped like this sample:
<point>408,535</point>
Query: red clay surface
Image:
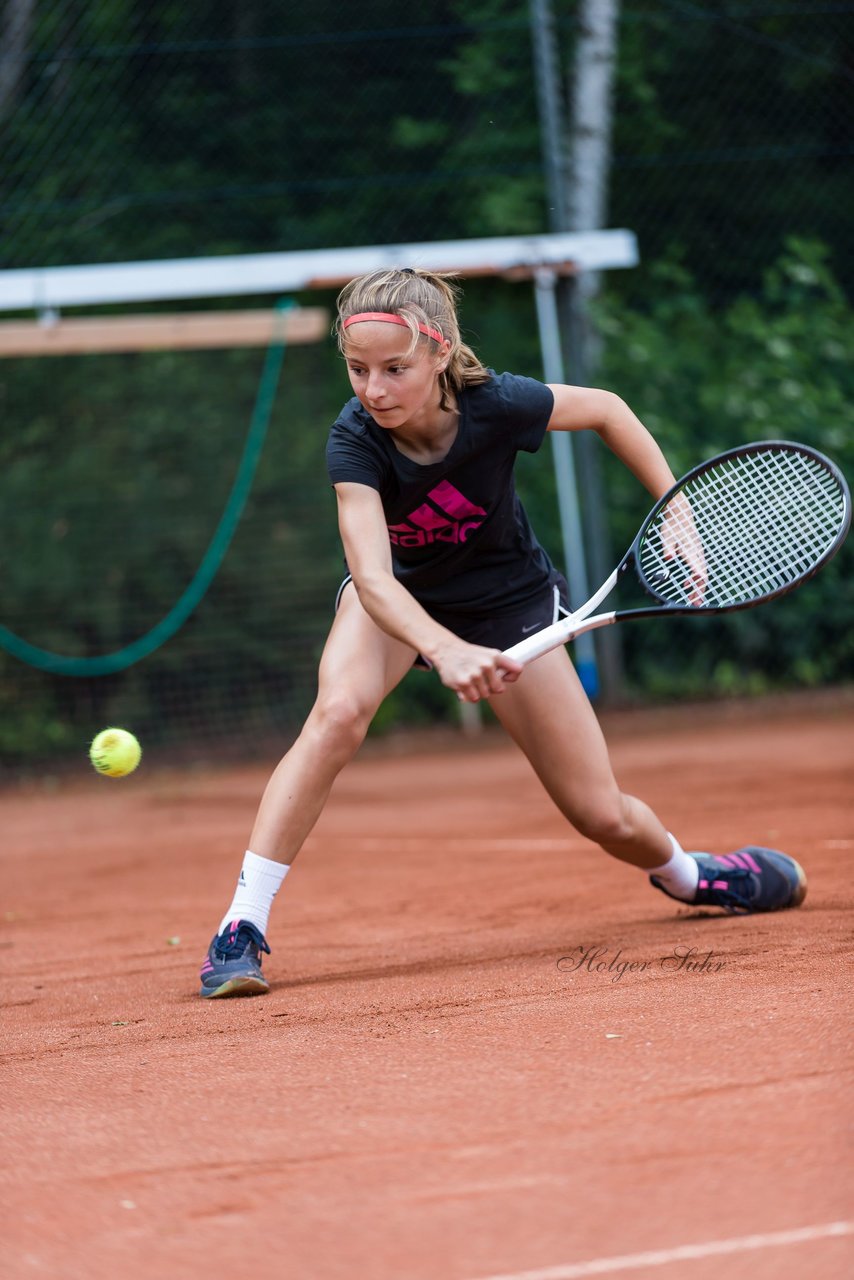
<point>425,1092</point>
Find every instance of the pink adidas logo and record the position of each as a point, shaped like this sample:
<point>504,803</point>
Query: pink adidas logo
<point>446,516</point>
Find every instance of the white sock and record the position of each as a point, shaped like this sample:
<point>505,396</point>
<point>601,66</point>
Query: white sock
<point>257,886</point>
<point>681,874</point>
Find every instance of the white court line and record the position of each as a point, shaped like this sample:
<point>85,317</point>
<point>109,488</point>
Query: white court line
<point>684,1253</point>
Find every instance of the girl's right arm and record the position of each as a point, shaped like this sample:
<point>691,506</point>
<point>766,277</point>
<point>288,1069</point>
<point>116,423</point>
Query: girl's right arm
<point>472,671</point>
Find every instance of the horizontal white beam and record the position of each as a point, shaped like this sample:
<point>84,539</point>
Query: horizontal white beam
<point>184,331</point>
<point>49,288</point>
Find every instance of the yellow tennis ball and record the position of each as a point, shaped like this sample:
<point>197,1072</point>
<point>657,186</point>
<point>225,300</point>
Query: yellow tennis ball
<point>115,752</point>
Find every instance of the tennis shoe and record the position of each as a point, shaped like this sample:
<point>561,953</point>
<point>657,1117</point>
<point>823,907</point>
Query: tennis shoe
<point>232,966</point>
<point>747,881</point>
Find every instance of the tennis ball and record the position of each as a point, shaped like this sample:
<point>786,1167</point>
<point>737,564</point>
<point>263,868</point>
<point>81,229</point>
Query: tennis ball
<point>115,752</point>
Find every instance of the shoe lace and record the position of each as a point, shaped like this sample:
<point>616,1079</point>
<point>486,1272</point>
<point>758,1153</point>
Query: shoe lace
<point>232,944</point>
<point>736,896</point>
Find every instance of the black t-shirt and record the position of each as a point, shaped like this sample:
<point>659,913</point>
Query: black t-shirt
<point>460,539</point>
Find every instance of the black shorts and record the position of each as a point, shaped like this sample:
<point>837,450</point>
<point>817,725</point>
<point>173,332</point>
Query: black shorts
<point>502,630</point>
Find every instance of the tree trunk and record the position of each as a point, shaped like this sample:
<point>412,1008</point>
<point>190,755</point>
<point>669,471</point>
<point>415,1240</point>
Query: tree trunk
<point>589,164</point>
<point>592,99</point>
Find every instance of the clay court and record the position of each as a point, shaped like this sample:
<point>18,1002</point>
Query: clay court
<point>485,1052</point>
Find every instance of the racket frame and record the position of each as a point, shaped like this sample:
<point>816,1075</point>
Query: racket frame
<point>579,621</point>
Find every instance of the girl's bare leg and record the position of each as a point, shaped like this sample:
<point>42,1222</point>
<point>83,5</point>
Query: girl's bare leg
<point>547,713</point>
<point>359,667</point>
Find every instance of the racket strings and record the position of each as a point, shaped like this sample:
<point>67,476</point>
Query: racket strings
<point>770,525</point>
<point>772,541</point>
<point>749,526</point>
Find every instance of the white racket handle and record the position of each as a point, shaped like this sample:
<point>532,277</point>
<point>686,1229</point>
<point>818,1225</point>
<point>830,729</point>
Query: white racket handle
<point>559,633</point>
<point>565,629</point>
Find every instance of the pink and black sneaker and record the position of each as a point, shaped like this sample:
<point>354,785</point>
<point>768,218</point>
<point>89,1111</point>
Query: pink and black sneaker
<point>232,966</point>
<point>746,881</point>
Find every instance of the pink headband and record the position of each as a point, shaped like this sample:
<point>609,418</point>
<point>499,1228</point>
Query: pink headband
<point>387,317</point>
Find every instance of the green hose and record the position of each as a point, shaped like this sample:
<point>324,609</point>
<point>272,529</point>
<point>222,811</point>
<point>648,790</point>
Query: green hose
<point>164,630</point>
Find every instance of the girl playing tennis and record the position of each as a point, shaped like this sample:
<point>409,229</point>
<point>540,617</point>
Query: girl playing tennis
<point>446,572</point>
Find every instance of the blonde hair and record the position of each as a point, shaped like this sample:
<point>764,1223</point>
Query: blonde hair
<point>419,298</point>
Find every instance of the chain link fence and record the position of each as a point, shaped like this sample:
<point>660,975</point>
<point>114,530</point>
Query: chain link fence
<point>142,130</point>
<point>137,129</point>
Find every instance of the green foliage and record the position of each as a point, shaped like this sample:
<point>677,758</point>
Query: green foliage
<point>115,473</point>
<point>772,366</point>
<point>165,130</point>
<point>730,136</point>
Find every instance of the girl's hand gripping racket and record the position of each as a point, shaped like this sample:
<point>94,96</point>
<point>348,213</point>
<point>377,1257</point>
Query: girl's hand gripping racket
<point>751,524</point>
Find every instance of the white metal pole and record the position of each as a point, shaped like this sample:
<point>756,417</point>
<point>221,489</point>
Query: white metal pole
<point>545,281</point>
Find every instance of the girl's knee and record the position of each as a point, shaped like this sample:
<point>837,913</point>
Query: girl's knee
<point>604,821</point>
<point>341,718</point>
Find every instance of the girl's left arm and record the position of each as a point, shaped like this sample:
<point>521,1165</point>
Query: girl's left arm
<point>577,408</point>
<point>585,408</point>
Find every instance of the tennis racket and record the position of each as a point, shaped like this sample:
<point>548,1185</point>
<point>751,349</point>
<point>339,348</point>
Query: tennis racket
<point>748,525</point>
